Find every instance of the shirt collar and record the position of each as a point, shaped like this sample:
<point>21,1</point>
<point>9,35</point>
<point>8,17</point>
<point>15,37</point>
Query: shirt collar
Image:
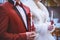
<point>15,2</point>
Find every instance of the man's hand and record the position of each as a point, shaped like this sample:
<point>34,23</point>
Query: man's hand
<point>31,35</point>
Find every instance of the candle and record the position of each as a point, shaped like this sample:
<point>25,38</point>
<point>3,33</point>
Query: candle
<point>31,19</point>
<point>52,18</point>
<point>51,15</point>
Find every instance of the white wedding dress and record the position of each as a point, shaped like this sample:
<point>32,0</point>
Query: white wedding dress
<point>40,20</point>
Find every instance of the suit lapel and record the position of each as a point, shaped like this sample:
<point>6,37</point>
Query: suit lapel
<point>18,13</point>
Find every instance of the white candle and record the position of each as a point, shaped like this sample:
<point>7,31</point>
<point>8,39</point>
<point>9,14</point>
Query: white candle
<point>31,19</point>
<point>51,15</point>
<point>52,22</point>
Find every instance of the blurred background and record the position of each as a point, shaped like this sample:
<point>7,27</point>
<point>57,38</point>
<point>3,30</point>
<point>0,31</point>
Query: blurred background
<point>51,5</point>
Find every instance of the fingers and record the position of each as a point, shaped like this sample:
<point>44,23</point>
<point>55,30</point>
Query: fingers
<point>50,27</point>
<point>31,35</point>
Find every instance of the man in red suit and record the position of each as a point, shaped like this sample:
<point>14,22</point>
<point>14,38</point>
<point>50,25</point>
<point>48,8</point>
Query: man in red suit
<point>15,21</point>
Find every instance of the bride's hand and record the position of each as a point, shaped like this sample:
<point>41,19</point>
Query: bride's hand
<point>50,27</point>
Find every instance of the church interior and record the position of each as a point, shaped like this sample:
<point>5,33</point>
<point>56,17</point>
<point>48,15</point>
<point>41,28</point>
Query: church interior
<point>52,5</point>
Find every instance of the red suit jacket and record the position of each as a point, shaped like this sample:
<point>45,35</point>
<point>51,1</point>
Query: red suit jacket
<point>11,25</point>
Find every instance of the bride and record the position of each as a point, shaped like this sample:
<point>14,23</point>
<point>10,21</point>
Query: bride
<point>40,19</point>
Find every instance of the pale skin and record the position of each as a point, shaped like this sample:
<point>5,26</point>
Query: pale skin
<point>17,0</point>
<point>37,0</point>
